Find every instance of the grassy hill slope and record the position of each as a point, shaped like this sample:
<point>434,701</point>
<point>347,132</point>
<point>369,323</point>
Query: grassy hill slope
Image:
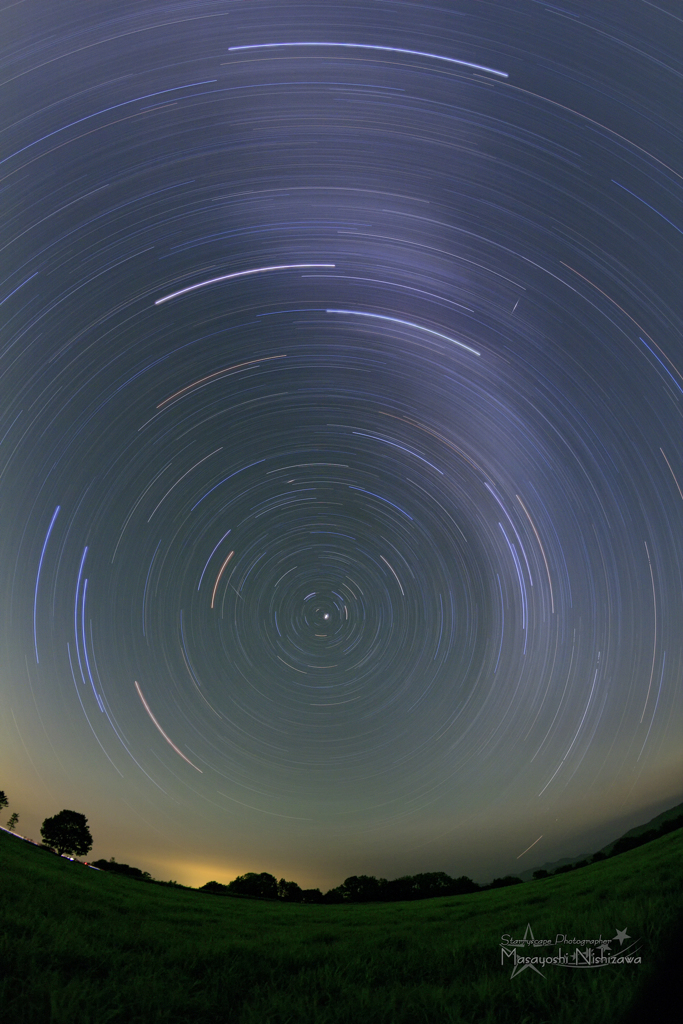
<point>85,947</point>
<point>654,823</point>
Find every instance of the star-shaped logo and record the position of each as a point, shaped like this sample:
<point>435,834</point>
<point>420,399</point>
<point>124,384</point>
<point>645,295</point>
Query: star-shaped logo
<point>605,947</point>
<point>621,935</point>
<point>518,968</point>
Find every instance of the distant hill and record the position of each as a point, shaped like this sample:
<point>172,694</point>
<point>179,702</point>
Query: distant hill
<point>550,866</point>
<point>673,812</point>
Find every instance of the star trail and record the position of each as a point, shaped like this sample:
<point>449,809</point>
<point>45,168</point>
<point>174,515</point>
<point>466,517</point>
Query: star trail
<point>341,462</point>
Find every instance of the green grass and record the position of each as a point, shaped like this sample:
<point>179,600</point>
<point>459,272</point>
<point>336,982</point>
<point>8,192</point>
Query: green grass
<point>86,947</point>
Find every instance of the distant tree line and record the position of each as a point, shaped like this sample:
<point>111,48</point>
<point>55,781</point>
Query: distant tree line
<point>115,868</point>
<point>68,833</point>
<point>122,869</point>
<point>631,842</point>
<point>356,888</point>
<point>369,889</point>
<point>621,846</point>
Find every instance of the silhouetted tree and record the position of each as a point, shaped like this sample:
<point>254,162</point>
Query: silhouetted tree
<point>598,856</point>
<point>12,823</point>
<point>399,889</point>
<point>424,886</point>
<point>332,896</point>
<point>361,888</point>
<point>499,883</point>
<point>3,799</point>
<point>67,832</point>
<point>290,892</point>
<point>122,869</point>
<point>461,886</point>
<point>563,869</point>
<point>253,884</point>
<point>312,896</point>
<point>214,887</point>
<point>541,873</point>
<point>433,883</point>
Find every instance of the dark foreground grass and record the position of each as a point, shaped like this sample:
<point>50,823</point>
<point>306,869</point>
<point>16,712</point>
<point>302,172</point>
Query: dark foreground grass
<point>86,947</point>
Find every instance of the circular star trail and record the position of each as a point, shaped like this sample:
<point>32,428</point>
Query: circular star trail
<point>341,466</point>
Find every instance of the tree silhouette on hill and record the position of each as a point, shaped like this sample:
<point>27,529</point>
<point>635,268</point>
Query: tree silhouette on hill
<point>253,884</point>
<point>290,892</point>
<point>67,832</point>
<point>122,869</point>
<point>500,883</point>
<point>213,887</point>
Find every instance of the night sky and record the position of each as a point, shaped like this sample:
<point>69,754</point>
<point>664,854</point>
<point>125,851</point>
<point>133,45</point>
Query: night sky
<point>341,462</point>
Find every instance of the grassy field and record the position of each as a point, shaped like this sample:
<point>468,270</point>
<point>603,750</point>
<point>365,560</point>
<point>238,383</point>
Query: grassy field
<point>85,947</point>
